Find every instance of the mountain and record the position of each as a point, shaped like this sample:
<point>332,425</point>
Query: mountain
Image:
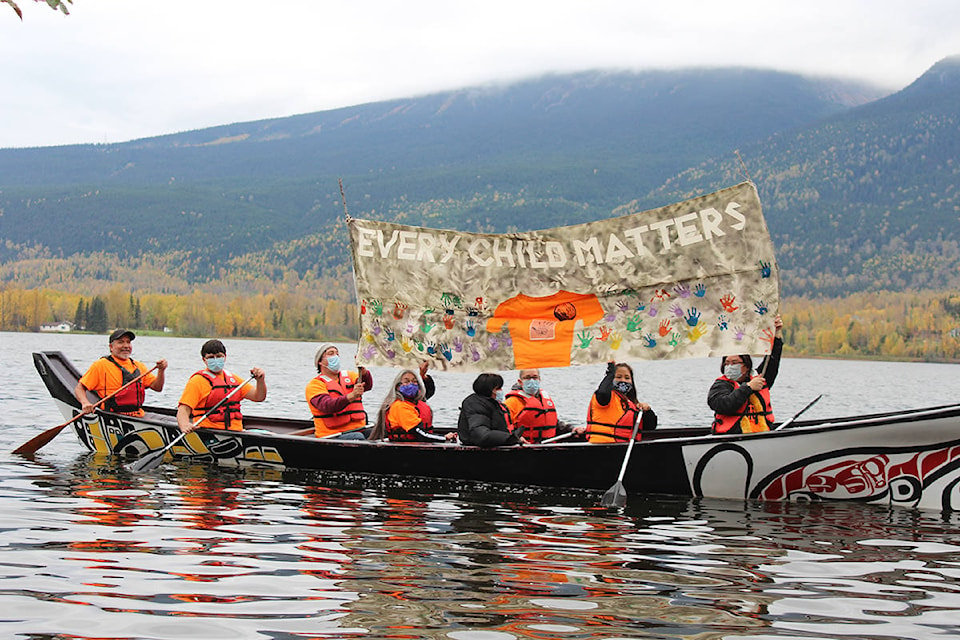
<point>865,199</point>
<point>260,199</point>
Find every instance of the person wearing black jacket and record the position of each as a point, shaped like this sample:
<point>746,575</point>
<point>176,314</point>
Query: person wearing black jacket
<point>484,420</point>
<point>741,401</point>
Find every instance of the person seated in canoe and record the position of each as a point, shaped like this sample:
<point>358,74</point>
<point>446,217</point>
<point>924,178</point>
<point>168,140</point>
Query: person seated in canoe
<point>614,408</point>
<point>405,415</point>
<point>109,373</point>
<point>741,402</point>
<point>208,386</point>
<point>336,397</point>
<point>533,409</point>
<point>484,420</point>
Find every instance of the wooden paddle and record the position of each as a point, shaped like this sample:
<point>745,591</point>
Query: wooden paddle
<point>797,414</point>
<point>562,436</point>
<point>616,496</point>
<point>153,460</point>
<point>33,445</point>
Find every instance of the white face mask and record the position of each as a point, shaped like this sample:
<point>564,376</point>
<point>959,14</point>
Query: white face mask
<point>733,371</point>
<point>499,396</point>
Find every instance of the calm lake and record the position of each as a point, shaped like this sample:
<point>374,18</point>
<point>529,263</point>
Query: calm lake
<point>90,550</point>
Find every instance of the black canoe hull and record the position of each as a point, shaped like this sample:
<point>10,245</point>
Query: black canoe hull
<point>908,458</point>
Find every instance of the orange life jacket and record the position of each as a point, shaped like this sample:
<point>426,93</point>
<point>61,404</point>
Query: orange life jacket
<point>397,433</point>
<point>229,412</point>
<point>613,422</point>
<point>130,399</point>
<point>538,416</point>
<point>754,416</point>
<point>351,416</point>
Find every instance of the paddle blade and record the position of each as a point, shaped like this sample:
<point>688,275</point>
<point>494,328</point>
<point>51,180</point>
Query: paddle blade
<point>35,443</point>
<point>616,496</point>
<point>148,462</point>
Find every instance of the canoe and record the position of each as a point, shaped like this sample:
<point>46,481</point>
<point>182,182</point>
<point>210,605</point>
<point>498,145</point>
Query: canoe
<point>905,458</point>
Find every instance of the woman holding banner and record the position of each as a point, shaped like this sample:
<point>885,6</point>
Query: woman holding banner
<point>741,402</point>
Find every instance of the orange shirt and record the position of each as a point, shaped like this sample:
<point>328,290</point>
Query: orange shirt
<point>103,378</point>
<point>404,414</point>
<point>195,395</point>
<point>542,329</point>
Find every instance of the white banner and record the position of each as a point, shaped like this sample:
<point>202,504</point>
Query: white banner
<point>693,279</point>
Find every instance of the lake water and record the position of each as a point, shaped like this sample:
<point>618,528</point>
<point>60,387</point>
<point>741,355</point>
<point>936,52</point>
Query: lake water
<point>89,550</point>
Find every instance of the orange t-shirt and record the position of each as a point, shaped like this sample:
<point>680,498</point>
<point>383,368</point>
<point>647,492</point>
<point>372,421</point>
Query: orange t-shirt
<point>542,329</point>
<point>103,378</point>
<point>195,395</point>
<point>404,415</point>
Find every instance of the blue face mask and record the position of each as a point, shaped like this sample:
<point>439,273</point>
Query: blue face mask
<point>216,364</point>
<point>531,386</point>
<point>622,386</point>
<point>409,390</point>
<point>499,395</point>
<point>333,363</point>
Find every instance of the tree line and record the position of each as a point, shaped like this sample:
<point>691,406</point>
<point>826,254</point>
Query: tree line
<point>922,325</point>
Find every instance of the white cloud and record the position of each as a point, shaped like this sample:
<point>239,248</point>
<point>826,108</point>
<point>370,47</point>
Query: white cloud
<point>120,69</point>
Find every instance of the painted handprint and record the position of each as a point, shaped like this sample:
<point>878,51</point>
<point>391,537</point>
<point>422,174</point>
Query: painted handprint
<point>458,344</point>
<point>633,322</point>
<point>406,345</point>
<point>494,343</point>
<point>449,319</point>
<point>447,353</point>
<point>682,290</point>
<point>585,339</point>
<point>391,336</point>
<point>616,339</point>
<point>604,333</point>
<point>760,307</point>
<point>649,341</point>
<point>693,317</point>
<point>727,302</point>
<point>623,305</point>
<point>471,328</point>
<point>677,310</point>
<point>768,335</point>
<point>369,352</point>
<point>700,290</point>
<point>474,354</point>
<point>764,269</point>
<point>659,295</point>
<point>664,327</point>
<point>675,339</point>
<point>399,309</point>
<point>738,333</point>
<point>697,332</point>
<point>377,307</point>
<point>722,322</point>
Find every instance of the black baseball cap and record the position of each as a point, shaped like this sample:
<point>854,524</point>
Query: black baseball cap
<point>119,333</point>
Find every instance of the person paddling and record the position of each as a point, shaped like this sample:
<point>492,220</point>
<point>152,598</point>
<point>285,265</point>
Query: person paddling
<point>111,372</point>
<point>210,385</point>
<point>741,401</point>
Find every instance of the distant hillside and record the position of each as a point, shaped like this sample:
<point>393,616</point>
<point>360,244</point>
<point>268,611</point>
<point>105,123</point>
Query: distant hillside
<point>866,199</point>
<point>549,151</point>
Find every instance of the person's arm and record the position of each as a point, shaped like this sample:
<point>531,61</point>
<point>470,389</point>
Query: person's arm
<point>605,390</point>
<point>772,362</point>
<point>157,383</point>
<point>260,393</point>
<point>725,400</point>
<point>329,404</point>
<point>648,420</point>
<point>515,406</point>
<point>183,418</point>
<point>80,392</point>
<point>429,387</point>
<point>426,436</point>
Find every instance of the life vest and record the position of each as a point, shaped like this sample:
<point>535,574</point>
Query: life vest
<point>130,399</point>
<point>538,416</point>
<point>227,413</point>
<point>349,417</point>
<point>754,416</point>
<point>613,422</point>
<point>397,433</point>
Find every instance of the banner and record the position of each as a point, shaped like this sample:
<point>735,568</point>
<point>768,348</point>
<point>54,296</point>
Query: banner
<point>689,280</point>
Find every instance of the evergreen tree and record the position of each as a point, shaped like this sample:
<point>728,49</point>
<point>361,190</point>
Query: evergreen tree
<point>98,315</point>
<point>79,318</point>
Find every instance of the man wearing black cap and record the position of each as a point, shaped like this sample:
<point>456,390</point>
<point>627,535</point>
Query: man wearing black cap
<point>111,372</point>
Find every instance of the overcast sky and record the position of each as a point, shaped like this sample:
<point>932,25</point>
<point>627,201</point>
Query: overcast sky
<point>116,70</point>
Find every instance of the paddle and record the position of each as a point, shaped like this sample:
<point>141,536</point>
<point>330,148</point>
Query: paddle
<point>616,496</point>
<point>33,445</point>
<point>153,460</point>
<point>797,414</point>
<point>562,436</point>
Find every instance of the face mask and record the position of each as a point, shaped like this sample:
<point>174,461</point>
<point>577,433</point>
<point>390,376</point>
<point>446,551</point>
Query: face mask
<point>499,396</point>
<point>333,363</point>
<point>623,386</point>
<point>409,390</point>
<point>531,386</point>
<point>216,364</point>
<point>732,371</point>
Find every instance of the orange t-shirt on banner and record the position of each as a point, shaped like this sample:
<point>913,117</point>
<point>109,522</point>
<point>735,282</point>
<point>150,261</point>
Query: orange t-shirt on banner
<point>542,329</point>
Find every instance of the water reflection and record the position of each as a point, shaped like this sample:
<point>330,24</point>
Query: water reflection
<point>91,550</point>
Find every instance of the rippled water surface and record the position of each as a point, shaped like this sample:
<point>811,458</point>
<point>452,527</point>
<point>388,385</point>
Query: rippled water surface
<point>91,550</point>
